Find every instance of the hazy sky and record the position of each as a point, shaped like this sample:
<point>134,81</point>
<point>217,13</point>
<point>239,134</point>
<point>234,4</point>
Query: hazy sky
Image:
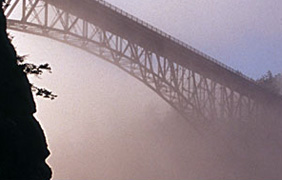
<point>107,125</point>
<point>244,34</point>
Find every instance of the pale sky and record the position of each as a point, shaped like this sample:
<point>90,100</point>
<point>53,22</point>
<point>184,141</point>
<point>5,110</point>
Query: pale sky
<point>107,125</point>
<point>244,34</point>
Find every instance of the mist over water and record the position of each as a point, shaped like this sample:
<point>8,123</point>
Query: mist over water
<point>107,125</point>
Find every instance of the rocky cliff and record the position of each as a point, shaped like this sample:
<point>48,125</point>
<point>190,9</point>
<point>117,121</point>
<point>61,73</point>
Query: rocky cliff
<point>23,147</point>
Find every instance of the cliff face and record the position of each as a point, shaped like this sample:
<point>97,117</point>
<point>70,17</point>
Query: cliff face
<point>23,147</point>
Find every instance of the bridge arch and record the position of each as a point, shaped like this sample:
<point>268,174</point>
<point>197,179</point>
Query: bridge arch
<point>190,81</point>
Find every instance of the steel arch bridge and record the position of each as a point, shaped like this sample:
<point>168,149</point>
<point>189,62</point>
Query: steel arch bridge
<point>200,88</point>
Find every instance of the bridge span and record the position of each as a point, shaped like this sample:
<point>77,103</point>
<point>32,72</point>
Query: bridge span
<point>200,88</point>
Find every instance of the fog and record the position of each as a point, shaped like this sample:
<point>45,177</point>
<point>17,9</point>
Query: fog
<point>107,125</point>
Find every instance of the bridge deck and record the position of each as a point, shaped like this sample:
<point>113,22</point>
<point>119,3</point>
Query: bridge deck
<point>131,28</point>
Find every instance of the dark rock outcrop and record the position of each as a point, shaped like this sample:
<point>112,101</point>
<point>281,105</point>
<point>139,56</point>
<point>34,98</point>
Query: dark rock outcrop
<point>23,147</point>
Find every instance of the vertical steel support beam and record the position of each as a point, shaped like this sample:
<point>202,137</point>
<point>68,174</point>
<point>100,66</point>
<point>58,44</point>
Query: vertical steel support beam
<point>46,15</point>
<point>23,10</point>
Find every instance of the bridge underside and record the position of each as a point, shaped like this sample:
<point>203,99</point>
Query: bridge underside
<point>200,98</point>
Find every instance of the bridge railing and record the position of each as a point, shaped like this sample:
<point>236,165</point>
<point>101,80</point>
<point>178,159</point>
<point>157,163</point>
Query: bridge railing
<point>120,11</point>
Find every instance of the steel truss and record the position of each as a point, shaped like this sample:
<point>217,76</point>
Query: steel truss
<point>198,98</point>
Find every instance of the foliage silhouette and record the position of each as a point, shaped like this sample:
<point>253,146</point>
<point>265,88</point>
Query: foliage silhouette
<point>271,82</point>
<point>32,69</point>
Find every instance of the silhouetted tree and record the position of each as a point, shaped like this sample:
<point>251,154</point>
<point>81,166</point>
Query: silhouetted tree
<point>278,81</point>
<point>270,82</point>
<point>32,69</point>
